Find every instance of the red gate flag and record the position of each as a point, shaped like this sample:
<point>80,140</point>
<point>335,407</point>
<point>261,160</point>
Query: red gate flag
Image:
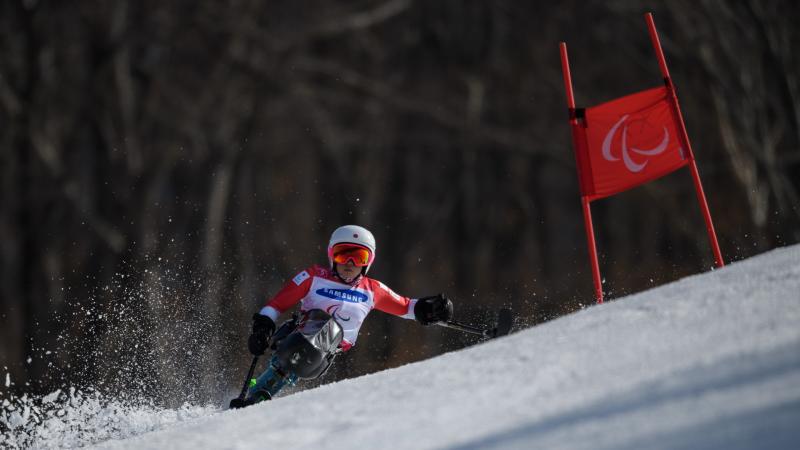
<point>630,141</point>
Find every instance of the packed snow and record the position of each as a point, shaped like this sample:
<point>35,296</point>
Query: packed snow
<point>710,361</point>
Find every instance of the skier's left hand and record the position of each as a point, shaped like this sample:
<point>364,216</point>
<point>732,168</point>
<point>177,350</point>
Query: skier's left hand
<point>436,308</point>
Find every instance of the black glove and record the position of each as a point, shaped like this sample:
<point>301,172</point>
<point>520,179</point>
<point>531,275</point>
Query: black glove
<point>263,327</point>
<point>433,309</point>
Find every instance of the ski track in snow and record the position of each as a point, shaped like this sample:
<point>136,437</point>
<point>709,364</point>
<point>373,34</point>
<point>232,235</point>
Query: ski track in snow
<point>710,361</point>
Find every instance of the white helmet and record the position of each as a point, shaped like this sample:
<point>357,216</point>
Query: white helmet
<point>353,234</point>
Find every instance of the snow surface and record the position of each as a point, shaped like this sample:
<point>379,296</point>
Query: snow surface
<point>710,361</point>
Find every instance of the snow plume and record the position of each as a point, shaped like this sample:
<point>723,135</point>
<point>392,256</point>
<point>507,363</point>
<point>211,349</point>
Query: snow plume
<point>146,350</point>
<point>73,418</point>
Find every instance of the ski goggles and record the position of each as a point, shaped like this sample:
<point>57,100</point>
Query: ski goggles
<point>342,253</point>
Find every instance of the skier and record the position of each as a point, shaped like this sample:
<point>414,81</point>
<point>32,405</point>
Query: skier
<point>334,302</point>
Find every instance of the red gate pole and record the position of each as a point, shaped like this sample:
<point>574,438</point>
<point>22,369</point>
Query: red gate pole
<point>576,139</point>
<point>698,186</point>
<point>587,219</point>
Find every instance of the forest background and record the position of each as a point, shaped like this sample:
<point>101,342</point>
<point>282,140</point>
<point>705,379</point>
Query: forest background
<point>166,166</point>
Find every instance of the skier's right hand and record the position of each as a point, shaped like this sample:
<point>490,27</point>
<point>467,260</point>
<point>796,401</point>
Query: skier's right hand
<point>436,308</point>
<point>263,327</point>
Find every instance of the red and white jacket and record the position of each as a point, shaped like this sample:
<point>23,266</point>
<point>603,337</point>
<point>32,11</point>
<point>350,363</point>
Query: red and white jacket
<point>349,304</point>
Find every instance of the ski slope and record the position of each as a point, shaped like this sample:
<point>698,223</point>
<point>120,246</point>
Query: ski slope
<point>710,361</point>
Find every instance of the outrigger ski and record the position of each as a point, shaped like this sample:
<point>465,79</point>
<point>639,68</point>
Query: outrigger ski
<point>505,320</point>
<point>241,400</point>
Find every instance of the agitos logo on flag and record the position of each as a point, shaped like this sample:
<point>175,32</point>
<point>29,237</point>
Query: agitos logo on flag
<point>630,141</point>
